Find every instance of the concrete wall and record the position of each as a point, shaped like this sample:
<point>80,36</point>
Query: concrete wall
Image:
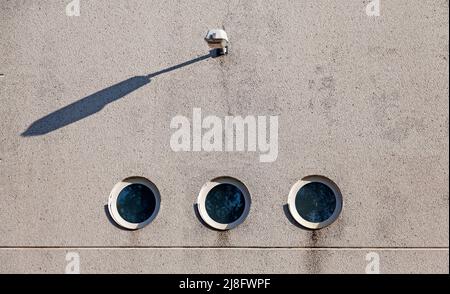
<point>361,100</point>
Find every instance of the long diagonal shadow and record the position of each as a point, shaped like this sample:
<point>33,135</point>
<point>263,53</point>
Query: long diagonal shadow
<point>95,102</point>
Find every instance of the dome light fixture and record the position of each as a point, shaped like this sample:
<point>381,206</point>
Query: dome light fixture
<point>134,203</point>
<point>223,203</point>
<point>315,202</point>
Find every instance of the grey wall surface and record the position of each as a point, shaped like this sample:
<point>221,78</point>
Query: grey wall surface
<point>361,100</point>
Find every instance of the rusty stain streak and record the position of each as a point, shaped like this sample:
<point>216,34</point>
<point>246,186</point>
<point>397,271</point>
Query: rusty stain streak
<point>313,259</point>
<point>223,239</point>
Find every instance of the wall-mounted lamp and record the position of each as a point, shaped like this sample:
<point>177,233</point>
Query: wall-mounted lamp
<point>217,39</point>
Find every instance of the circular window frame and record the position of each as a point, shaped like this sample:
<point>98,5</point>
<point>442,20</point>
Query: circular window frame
<point>112,202</point>
<point>201,202</point>
<point>293,195</point>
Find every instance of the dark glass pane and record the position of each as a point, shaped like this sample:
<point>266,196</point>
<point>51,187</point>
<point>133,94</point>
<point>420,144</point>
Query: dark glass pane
<point>315,202</point>
<point>225,203</point>
<point>136,203</point>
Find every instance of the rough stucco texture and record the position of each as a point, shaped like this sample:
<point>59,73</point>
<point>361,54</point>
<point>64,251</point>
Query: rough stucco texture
<point>362,100</point>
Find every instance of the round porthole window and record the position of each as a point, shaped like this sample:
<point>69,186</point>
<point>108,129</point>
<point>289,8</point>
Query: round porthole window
<point>315,202</point>
<point>224,203</point>
<point>134,203</point>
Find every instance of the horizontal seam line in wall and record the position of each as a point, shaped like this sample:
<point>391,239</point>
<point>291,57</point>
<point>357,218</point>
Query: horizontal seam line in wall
<point>221,248</point>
